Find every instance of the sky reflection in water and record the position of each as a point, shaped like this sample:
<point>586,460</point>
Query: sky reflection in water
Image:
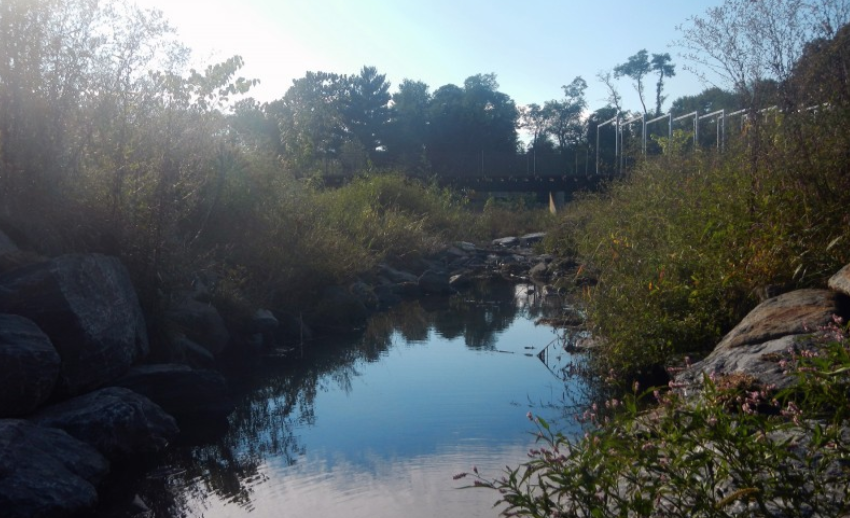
<point>378,427</point>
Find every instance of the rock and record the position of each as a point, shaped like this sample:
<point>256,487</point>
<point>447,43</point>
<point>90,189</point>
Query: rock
<point>46,472</point>
<point>6,244</point>
<point>465,246</point>
<point>118,422</point>
<point>183,350</point>
<point>539,272</point>
<point>435,283</point>
<point>757,360</point>
<point>396,276</point>
<point>87,306</point>
<point>201,323</point>
<point>461,280</point>
<point>531,239</point>
<point>840,282</point>
<point>506,242</point>
<point>184,393</point>
<point>796,312</point>
<point>406,289</point>
<point>264,324</point>
<point>29,366</point>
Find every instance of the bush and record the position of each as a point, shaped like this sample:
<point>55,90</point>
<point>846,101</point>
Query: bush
<point>686,244</point>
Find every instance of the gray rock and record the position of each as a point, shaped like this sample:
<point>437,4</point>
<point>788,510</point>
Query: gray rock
<point>506,242</point>
<point>797,312</point>
<point>465,246</point>
<point>757,360</point>
<point>29,366</point>
<point>460,280</point>
<point>118,422</point>
<point>44,472</point>
<point>184,393</point>
<point>531,239</point>
<point>840,282</point>
<point>87,306</point>
<point>201,322</point>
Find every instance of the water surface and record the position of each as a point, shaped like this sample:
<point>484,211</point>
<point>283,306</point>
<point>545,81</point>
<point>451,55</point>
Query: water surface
<point>375,426</point>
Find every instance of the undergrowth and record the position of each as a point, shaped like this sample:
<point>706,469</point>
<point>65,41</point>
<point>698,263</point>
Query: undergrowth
<point>736,449</point>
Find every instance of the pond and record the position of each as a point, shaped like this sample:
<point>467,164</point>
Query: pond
<point>376,425</point>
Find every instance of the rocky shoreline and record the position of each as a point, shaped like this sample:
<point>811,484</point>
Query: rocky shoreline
<point>84,389</point>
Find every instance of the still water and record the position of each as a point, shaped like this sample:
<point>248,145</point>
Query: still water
<point>375,426</point>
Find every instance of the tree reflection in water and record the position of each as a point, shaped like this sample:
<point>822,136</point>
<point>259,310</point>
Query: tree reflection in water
<point>277,398</point>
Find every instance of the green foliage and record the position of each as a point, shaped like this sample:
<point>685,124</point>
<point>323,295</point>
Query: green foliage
<point>684,244</point>
<point>734,450</point>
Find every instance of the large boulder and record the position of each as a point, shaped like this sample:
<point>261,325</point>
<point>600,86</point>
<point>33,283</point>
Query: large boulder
<point>87,306</point>
<point>118,422</point>
<point>758,343</point>
<point>200,322</point>
<point>181,391</point>
<point>29,366</point>
<point>46,472</point>
<point>793,313</point>
<point>759,361</point>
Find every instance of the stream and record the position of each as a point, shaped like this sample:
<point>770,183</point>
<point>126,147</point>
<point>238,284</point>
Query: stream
<point>377,424</point>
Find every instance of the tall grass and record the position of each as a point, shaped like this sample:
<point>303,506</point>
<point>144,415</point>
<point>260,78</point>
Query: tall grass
<point>688,243</point>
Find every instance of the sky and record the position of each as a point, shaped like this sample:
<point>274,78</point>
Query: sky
<point>533,46</point>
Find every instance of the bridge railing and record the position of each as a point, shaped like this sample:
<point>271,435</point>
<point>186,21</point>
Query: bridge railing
<point>705,130</point>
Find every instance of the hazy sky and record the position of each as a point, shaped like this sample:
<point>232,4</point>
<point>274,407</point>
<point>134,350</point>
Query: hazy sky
<point>533,46</point>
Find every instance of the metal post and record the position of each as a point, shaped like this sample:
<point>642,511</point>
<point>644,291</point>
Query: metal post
<point>597,149</point>
<point>696,130</point>
<point>617,144</point>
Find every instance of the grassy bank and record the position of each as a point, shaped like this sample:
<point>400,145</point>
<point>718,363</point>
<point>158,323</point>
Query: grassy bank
<point>688,243</point>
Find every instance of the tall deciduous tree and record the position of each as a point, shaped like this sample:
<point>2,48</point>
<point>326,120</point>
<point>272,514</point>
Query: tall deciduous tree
<point>470,122</point>
<point>566,115</point>
<point>747,42</point>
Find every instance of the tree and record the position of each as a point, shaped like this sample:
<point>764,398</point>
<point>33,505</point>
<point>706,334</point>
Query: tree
<point>566,115</point>
<point>407,132</point>
<point>614,97</point>
<point>637,67</point>
<point>708,101</point>
<point>367,110</point>
<point>747,42</point>
<point>535,119</point>
<point>661,64</point>
<point>470,122</point>
<point>311,118</point>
